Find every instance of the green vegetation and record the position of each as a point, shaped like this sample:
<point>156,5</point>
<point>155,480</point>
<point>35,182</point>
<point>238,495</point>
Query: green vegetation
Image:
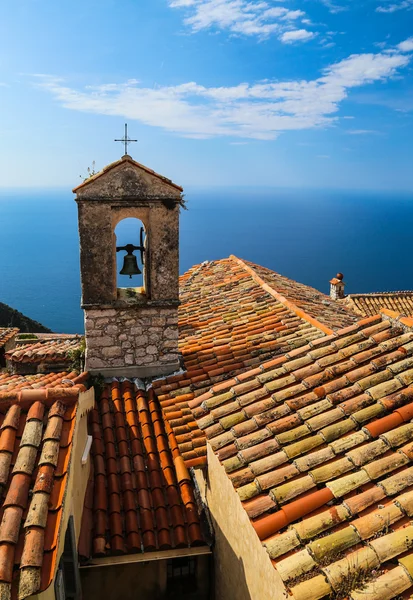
<point>9,317</point>
<point>77,357</point>
<point>91,171</point>
<point>98,382</point>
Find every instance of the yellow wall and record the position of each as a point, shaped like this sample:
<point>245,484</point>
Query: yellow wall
<point>77,482</point>
<point>243,570</point>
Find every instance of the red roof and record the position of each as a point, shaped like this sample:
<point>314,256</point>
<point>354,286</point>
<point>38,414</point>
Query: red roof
<point>45,350</point>
<point>6,334</point>
<point>140,497</point>
<point>318,444</point>
<point>230,320</point>
<point>16,382</point>
<point>35,448</point>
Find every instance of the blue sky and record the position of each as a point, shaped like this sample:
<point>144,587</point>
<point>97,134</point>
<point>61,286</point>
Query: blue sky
<point>307,93</point>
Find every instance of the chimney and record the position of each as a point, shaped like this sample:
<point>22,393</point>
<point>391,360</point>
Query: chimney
<point>337,287</point>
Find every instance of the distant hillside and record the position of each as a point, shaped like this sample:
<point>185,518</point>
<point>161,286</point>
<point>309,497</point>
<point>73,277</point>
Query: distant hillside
<point>13,318</point>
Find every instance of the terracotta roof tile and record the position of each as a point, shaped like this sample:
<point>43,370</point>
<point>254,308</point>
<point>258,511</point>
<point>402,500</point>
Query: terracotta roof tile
<point>29,481</point>
<point>141,496</point>
<point>6,334</point>
<point>314,303</point>
<point>16,382</point>
<point>371,304</point>
<point>45,350</point>
<point>233,317</point>
<point>326,477</point>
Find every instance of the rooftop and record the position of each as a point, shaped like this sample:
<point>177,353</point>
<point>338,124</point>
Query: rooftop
<point>64,379</point>
<point>230,320</point>
<point>7,334</point>
<point>36,435</point>
<point>45,349</point>
<point>126,159</point>
<point>318,444</point>
<point>140,497</point>
<point>371,304</point>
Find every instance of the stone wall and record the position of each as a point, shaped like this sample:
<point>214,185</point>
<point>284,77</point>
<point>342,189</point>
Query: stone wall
<point>132,338</point>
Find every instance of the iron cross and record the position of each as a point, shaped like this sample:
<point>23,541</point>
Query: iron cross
<point>126,140</point>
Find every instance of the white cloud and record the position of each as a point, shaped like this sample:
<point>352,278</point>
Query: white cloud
<point>241,17</point>
<point>396,6</point>
<point>296,35</point>
<point>181,3</point>
<point>260,110</point>
<point>361,131</point>
<point>333,7</point>
<point>406,46</point>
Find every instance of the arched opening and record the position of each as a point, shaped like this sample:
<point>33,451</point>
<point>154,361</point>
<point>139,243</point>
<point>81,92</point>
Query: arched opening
<point>130,238</point>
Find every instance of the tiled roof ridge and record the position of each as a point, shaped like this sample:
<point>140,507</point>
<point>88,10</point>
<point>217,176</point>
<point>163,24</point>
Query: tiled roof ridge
<point>287,303</point>
<point>129,159</point>
<point>43,350</point>
<point>386,293</point>
<point>194,274</point>
<point>28,396</point>
<point>7,333</point>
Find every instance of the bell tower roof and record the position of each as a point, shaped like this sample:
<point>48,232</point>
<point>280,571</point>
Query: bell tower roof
<point>135,177</point>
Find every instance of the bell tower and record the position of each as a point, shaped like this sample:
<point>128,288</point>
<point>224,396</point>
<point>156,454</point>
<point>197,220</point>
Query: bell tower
<point>131,332</point>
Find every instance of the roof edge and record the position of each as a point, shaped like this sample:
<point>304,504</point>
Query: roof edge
<point>298,311</point>
<point>25,398</point>
<point>374,294</point>
<point>126,158</point>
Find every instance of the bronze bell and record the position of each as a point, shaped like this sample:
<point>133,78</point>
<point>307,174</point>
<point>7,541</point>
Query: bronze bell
<point>130,265</point>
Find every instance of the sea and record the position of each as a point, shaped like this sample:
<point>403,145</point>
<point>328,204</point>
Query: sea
<point>307,235</point>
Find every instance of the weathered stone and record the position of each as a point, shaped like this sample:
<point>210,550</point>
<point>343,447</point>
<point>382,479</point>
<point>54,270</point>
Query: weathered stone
<point>112,329</point>
<point>100,342</point>
<point>91,313</point>
<point>102,322</point>
<point>129,359</point>
<point>94,363</point>
<point>136,331</point>
<point>169,357</point>
<point>151,350</point>
<point>159,321</point>
<point>94,333</point>
<point>112,352</point>
<point>171,333</point>
<point>169,344</point>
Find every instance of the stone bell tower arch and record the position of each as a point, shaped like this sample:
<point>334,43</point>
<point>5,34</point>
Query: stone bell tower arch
<point>130,332</point>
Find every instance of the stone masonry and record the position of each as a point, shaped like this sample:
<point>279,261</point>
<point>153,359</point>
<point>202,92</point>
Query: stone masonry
<point>133,336</point>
